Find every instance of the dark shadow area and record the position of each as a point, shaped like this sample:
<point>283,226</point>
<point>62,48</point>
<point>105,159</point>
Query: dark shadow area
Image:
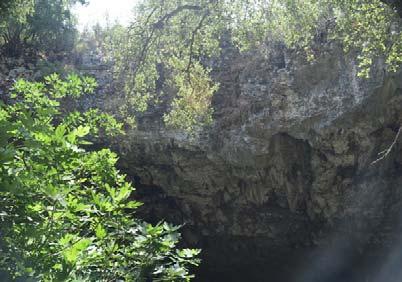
<point>305,265</point>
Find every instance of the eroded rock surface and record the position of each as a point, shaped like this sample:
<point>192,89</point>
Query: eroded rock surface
<point>285,172</point>
<point>282,186</point>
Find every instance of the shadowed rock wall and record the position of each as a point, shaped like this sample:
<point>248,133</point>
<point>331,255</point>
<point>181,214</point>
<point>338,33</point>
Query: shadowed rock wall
<point>281,186</point>
<point>282,183</point>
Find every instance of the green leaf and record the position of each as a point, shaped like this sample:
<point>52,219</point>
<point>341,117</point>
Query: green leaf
<point>133,205</point>
<point>123,193</point>
<point>60,131</point>
<point>82,131</point>
<point>72,253</point>
<point>100,232</point>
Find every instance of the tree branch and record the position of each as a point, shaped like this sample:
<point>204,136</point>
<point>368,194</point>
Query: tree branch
<point>386,152</point>
<point>193,34</point>
<point>159,25</point>
<point>161,22</point>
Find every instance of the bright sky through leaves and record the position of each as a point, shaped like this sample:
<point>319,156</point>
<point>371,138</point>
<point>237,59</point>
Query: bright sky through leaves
<point>101,11</point>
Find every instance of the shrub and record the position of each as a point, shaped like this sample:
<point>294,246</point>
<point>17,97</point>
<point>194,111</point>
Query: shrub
<point>66,213</point>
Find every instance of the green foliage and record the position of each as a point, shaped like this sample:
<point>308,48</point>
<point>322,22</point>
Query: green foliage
<point>171,40</point>
<point>41,25</point>
<point>371,27</point>
<point>192,106</point>
<point>18,9</point>
<point>47,67</point>
<point>66,213</point>
<point>170,45</point>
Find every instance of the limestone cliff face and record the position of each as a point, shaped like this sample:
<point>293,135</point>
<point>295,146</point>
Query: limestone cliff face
<point>282,182</point>
<point>286,165</point>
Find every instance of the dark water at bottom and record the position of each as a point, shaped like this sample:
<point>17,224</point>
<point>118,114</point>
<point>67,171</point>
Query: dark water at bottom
<point>342,264</point>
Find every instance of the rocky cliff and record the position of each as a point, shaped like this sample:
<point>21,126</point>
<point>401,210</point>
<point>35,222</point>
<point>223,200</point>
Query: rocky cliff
<point>282,186</point>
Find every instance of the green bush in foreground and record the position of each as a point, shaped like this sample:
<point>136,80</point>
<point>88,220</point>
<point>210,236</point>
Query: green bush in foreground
<point>65,213</point>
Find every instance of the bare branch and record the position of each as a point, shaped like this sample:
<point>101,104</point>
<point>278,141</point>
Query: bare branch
<point>193,34</point>
<point>386,152</point>
<point>159,25</point>
<point>146,21</point>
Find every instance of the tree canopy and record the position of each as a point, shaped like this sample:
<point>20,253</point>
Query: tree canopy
<point>170,44</point>
<point>42,25</point>
<point>183,36</point>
